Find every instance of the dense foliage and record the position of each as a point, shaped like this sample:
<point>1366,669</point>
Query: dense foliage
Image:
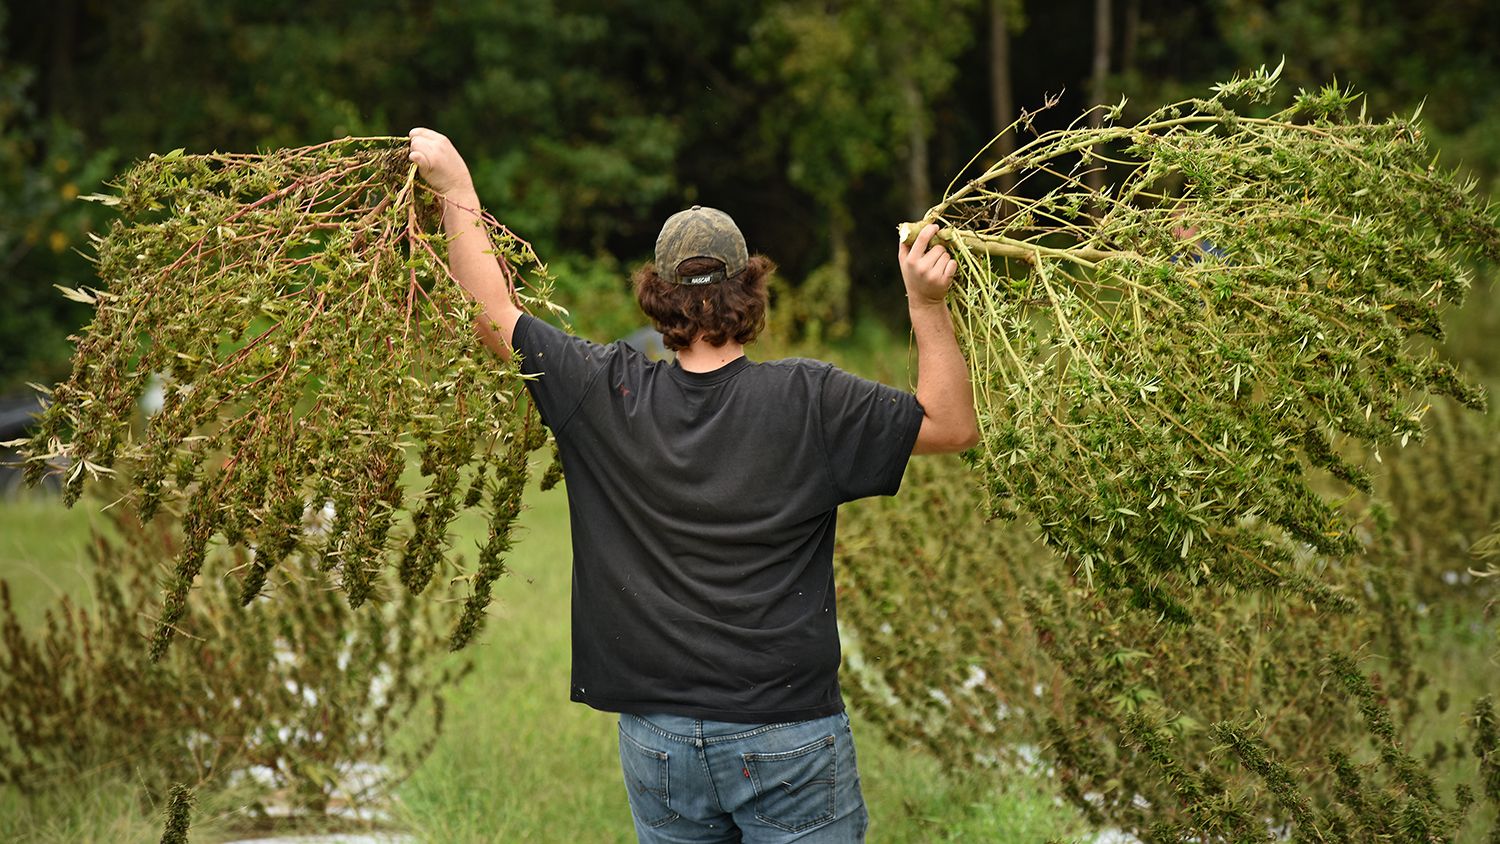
<point>1170,370</point>
<point>296,701</point>
<point>307,334</point>
<point>586,122</point>
<point>1438,503</point>
<point>984,647</point>
<point>179,816</point>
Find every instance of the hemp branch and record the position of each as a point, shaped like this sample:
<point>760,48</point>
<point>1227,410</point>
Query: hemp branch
<point>1168,369</point>
<point>297,312</point>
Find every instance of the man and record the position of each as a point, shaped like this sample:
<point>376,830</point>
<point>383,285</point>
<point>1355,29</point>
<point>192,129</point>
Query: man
<point>703,496</point>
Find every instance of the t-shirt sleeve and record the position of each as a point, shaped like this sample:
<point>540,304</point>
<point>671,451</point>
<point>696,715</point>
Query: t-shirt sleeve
<point>868,433</point>
<point>562,364</point>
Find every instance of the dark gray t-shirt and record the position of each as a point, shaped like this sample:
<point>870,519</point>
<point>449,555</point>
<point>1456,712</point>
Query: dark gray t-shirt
<point>703,508</point>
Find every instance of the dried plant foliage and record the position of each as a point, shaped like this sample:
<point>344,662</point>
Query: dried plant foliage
<point>1169,368</point>
<point>179,816</point>
<point>1438,500</point>
<point>1255,723</point>
<point>296,697</point>
<point>310,338</point>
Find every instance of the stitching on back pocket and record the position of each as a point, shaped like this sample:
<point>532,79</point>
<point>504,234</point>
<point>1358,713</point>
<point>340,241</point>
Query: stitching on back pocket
<point>794,789</point>
<point>646,781</point>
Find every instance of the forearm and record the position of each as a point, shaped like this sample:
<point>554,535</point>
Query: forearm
<point>943,389</point>
<point>477,269</point>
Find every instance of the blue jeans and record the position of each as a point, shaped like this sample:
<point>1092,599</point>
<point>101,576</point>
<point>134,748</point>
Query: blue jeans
<point>691,780</point>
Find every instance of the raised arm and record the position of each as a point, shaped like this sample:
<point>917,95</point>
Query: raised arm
<point>948,422</point>
<point>469,250</point>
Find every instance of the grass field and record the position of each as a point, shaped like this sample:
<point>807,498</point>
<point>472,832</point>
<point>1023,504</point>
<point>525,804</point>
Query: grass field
<point>517,761</point>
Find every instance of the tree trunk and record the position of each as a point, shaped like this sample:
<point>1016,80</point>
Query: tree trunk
<point>838,242</point>
<point>1103,34</point>
<point>1002,92</point>
<point>918,160</point>
<point>835,316</point>
<point>60,60</point>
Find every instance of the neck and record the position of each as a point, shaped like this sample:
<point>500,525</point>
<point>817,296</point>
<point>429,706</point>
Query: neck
<point>701,357</point>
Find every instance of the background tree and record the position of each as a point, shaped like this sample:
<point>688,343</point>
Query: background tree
<point>1099,75</point>
<point>1006,18</point>
<point>586,121</point>
<point>855,75</point>
<point>44,164</point>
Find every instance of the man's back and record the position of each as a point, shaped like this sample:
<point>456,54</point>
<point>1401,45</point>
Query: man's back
<point>703,508</point>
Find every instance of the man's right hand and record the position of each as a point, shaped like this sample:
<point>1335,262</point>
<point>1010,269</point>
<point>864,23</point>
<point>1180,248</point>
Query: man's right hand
<point>438,161</point>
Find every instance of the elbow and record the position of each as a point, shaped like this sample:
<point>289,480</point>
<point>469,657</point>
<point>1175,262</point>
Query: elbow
<point>963,429</point>
<point>962,439</point>
<point>490,336</point>
<point>940,439</point>
<point>970,438</point>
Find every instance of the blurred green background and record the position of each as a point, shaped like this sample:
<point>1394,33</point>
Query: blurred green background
<point>817,125</point>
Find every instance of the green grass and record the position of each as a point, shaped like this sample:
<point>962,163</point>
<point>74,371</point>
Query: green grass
<point>43,552</point>
<point>103,808</point>
<point>1460,660</point>
<point>517,761</point>
<point>104,811</point>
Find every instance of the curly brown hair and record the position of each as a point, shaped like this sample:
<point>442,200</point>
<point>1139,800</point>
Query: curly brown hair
<point>732,309</point>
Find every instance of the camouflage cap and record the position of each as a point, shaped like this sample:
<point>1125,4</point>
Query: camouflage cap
<point>700,233</point>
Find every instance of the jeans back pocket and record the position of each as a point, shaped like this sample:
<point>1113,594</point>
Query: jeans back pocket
<point>794,790</point>
<point>646,780</point>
